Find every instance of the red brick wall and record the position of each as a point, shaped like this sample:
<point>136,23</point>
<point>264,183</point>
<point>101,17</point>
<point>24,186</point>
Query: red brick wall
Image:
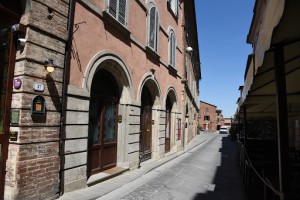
<point>209,110</point>
<point>33,160</point>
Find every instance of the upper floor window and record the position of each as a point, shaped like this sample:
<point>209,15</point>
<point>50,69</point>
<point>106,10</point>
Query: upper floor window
<point>206,109</point>
<point>118,9</point>
<point>152,27</point>
<point>207,118</point>
<point>172,48</point>
<point>174,6</point>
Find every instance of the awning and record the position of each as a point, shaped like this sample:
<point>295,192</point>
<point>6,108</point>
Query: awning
<point>259,91</point>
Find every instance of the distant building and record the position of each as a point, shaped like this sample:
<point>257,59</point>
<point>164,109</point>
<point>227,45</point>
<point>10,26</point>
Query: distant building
<point>219,119</point>
<point>208,116</point>
<point>227,121</point>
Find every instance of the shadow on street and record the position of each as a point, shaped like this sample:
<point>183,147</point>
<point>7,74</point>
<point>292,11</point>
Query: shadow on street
<point>228,180</point>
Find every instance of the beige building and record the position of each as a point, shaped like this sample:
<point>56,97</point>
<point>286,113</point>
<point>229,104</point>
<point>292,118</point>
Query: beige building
<point>126,76</point>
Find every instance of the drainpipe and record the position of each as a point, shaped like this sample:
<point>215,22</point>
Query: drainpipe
<point>64,92</point>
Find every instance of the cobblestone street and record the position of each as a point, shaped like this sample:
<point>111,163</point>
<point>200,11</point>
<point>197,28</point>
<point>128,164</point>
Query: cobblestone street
<point>206,172</point>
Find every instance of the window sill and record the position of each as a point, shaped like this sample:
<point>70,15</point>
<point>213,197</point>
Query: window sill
<point>152,53</point>
<point>172,69</point>
<point>183,81</point>
<point>114,22</point>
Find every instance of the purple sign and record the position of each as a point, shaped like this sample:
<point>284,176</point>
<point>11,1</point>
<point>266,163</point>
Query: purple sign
<point>17,83</point>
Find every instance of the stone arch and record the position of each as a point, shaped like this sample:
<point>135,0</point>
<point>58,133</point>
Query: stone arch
<point>116,66</point>
<point>150,81</point>
<point>109,65</point>
<point>173,97</point>
<point>149,97</point>
<point>171,110</point>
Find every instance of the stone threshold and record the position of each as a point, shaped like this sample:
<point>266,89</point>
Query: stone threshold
<point>105,175</point>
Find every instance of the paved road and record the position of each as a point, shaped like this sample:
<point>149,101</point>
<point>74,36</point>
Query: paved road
<point>207,172</point>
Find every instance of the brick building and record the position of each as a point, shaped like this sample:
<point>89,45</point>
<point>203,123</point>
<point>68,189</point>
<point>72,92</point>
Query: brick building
<point>227,121</point>
<point>208,116</point>
<point>122,91</point>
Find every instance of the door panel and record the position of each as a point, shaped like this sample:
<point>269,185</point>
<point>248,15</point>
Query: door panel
<point>95,157</point>
<point>102,153</point>
<point>109,156</point>
<point>146,134</point>
<point>109,123</point>
<point>168,131</point>
<point>109,153</point>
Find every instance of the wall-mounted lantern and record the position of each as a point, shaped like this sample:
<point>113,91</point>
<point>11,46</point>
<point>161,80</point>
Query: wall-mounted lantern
<point>49,65</point>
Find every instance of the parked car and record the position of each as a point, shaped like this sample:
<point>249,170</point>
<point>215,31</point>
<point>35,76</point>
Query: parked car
<point>224,130</point>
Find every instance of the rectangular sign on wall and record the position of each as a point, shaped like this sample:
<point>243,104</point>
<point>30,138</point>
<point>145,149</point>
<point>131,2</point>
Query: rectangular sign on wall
<point>14,117</point>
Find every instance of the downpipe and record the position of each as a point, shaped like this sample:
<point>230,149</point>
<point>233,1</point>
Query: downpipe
<point>64,92</point>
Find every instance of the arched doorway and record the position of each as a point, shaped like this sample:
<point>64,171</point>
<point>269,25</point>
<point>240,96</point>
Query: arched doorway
<point>146,124</point>
<point>10,13</point>
<point>103,127</point>
<point>170,119</point>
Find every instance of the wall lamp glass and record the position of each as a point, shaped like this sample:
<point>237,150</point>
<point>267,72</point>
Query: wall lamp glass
<point>49,65</point>
<point>189,49</point>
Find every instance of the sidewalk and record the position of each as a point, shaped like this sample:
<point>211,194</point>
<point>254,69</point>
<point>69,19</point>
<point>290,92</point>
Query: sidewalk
<point>108,186</point>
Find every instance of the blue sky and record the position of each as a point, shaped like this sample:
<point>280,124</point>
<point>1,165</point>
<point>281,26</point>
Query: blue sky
<point>222,32</point>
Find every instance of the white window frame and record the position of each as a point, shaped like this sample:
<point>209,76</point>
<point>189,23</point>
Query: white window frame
<point>174,6</point>
<point>172,48</point>
<point>154,48</point>
<point>186,67</point>
<point>117,17</point>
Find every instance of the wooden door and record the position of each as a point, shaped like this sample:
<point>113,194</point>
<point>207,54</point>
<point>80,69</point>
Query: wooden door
<point>168,125</point>
<point>103,127</point>
<point>146,133</point>
<point>168,131</point>
<point>8,17</point>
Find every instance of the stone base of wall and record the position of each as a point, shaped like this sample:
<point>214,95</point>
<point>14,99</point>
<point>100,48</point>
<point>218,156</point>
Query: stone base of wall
<point>75,179</point>
<point>76,185</point>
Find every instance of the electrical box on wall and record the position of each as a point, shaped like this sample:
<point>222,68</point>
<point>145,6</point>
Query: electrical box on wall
<point>38,106</point>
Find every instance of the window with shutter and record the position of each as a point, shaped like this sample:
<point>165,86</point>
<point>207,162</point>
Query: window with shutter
<point>152,27</point>
<point>113,7</point>
<point>172,48</point>
<point>122,11</point>
<point>117,8</point>
<point>174,6</point>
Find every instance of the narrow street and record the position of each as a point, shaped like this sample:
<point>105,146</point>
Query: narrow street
<point>207,172</point>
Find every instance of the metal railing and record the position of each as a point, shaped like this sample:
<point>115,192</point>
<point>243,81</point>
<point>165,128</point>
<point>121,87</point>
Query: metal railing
<point>257,185</point>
